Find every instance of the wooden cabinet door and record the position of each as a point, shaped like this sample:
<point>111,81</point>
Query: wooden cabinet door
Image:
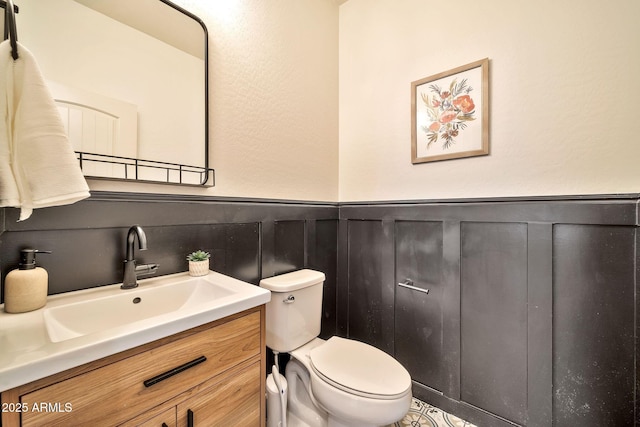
<point>234,401</point>
<point>122,390</point>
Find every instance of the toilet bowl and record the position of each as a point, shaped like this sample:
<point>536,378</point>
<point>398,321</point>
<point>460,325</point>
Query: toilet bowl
<point>336,383</point>
<point>355,384</point>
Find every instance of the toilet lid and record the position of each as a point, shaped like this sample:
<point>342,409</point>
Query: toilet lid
<point>359,368</point>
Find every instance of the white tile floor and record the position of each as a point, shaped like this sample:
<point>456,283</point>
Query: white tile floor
<point>424,415</point>
<point>420,415</point>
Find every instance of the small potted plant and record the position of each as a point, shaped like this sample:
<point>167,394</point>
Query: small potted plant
<point>198,263</point>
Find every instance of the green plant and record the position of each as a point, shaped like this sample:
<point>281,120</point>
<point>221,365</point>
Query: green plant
<point>198,256</point>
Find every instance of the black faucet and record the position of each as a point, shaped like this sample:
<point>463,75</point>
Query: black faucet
<point>131,270</point>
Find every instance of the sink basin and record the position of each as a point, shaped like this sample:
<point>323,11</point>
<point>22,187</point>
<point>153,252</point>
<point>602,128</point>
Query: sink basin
<point>82,326</point>
<point>152,299</point>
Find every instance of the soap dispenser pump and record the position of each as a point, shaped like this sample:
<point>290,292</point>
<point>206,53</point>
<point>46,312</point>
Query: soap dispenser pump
<point>26,288</point>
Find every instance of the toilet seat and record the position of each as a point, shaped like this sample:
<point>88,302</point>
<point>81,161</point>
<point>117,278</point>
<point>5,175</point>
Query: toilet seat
<point>359,369</point>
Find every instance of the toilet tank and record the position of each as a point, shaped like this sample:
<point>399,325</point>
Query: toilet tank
<point>294,314</point>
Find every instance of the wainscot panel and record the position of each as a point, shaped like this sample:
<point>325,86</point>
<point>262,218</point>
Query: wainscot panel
<point>531,310</point>
<point>289,246</point>
<point>530,318</point>
<point>494,318</point>
<point>322,241</point>
<point>370,284</point>
<point>419,284</point>
<point>593,325</point>
<point>247,239</point>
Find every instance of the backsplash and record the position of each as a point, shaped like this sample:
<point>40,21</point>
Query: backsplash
<point>83,258</point>
<point>247,240</point>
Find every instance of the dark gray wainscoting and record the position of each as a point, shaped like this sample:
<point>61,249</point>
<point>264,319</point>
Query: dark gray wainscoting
<point>248,239</point>
<point>530,315</point>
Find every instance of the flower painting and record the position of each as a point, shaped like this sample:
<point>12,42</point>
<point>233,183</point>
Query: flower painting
<point>450,114</point>
<point>449,111</point>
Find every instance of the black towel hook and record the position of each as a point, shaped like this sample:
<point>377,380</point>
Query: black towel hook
<point>10,28</point>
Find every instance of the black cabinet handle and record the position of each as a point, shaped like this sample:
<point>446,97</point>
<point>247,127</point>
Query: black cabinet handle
<point>189,418</point>
<point>164,425</point>
<point>174,371</point>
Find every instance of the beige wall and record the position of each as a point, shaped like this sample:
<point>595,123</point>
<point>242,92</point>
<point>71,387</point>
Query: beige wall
<point>273,100</point>
<point>564,90</point>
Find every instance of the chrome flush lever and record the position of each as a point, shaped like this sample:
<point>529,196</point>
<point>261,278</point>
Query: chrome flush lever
<point>289,300</point>
<point>408,283</point>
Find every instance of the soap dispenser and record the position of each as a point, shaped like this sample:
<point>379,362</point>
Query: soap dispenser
<point>26,288</point>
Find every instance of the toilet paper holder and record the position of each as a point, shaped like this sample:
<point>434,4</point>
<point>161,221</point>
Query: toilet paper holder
<point>408,283</point>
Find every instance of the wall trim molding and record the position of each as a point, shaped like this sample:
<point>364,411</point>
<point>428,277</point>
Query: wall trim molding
<point>191,198</point>
<point>505,199</point>
<point>598,211</point>
<point>618,209</point>
<point>118,195</point>
<point>112,209</point>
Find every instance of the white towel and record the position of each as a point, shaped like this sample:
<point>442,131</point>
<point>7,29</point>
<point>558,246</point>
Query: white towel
<point>38,167</point>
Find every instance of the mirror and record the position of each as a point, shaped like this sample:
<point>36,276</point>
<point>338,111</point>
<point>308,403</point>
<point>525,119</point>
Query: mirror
<point>130,80</point>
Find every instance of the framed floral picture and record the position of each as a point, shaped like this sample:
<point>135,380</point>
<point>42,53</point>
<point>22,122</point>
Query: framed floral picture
<point>450,114</point>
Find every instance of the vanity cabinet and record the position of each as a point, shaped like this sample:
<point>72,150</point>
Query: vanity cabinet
<point>207,376</point>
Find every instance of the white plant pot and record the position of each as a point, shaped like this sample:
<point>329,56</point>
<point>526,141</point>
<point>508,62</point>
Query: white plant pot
<point>199,268</point>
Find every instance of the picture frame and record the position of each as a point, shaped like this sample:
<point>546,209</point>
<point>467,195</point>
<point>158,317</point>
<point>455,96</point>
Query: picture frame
<point>450,114</point>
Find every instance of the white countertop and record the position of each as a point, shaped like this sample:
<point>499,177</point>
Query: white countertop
<point>27,353</point>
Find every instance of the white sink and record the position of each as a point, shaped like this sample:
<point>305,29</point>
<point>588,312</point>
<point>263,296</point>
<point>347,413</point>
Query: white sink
<point>82,326</point>
<point>125,307</point>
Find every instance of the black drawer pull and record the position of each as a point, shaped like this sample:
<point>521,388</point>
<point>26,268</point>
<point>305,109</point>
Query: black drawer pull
<point>164,425</point>
<point>172,372</point>
<point>190,422</point>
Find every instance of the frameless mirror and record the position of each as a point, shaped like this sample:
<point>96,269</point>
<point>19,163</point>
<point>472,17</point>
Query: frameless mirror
<point>130,81</point>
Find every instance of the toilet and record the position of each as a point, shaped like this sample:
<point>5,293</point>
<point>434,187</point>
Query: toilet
<point>334,383</point>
